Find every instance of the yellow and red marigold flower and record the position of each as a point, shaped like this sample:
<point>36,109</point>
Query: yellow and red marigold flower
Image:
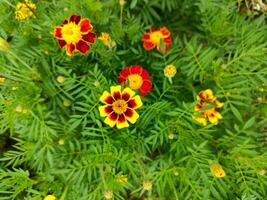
<point>75,34</point>
<point>154,38</point>
<point>206,108</point>
<point>136,77</point>
<point>217,170</point>
<point>119,106</point>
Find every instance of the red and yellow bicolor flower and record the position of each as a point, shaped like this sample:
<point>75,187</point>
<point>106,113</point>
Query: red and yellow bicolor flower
<point>206,108</point>
<point>155,36</point>
<point>120,106</point>
<point>76,34</point>
<point>136,78</point>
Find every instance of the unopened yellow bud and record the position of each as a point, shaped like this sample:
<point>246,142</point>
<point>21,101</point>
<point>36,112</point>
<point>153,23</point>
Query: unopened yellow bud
<point>50,197</point>
<point>61,141</point>
<point>66,103</point>
<point>19,108</point>
<point>147,185</point>
<point>60,79</point>
<point>108,194</point>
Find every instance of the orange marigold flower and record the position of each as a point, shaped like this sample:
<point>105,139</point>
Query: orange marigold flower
<point>206,108</point>
<point>217,170</point>
<point>136,77</point>
<point>154,38</point>
<point>120,106</point>
<point>75,34</point>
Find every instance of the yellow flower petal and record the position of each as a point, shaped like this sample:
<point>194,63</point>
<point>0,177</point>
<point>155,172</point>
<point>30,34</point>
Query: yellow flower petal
<point>122,124</point>
<point>102,111</point>
<point>104,96</point>
<point>137,101</point>
<point>133,118</point>
<point>115,89</point>
<point>110,122</point>
<point>129,91</point>
<point>217,170</point>
<point>200,120</point>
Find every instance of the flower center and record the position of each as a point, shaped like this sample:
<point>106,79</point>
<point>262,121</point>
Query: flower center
<point>135,81</point>
<point>71,33</point>
<point>155,37</point>
<point>120,106</point>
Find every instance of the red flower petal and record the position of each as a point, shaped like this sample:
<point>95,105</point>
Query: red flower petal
<point>126,96</point>
<point>108,109</point>
<point>89,37</point>
<point>61,43</point>
<point>152,29</point>
<point>145,88</point>
<point>123,75</point>
<point>66,21</point>
<point>121,118</point>
<point>145,75</point>
<point>168,40</point>
<point>132,103</point>
<point>109,100</point>
<point>58,33</point>
<point>116,95</point>
<point>85,26</point>
<point>75,18</point>
<point>148,45</point>
<point>165,31</point>
<point>70,49</point>
<point>135,69</point>
<point>82,46</point>
<point>146,36</point>
<point>113,116</point>
<point>129,112</point>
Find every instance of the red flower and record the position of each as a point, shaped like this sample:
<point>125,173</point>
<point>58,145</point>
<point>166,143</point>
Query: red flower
<point>137,78</point>
<point>154,38</point>
<point>75,34</point>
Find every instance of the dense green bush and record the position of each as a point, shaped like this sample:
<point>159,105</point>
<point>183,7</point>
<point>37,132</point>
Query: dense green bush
<point>53,140</point>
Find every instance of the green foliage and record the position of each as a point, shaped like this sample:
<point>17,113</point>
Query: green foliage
<point>53,140</point>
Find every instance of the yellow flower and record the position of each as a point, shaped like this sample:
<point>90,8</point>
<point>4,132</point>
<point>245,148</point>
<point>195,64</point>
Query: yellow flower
<point>170,71</point>
<point>25,10</point>
<point>206,108</point>
<point>2,80</point>
<point>50,197</point>
<point>4,46</point>
<point>60,79</point>
<point>122,179</point>
<point>120,106</point>
<point>147,185</point>
<point>108,194</point>
<point>217,170</point>
<point>105,38</point>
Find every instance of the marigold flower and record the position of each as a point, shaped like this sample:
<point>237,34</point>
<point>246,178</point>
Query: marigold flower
<point>108,194</point>
<point>206,108</point>
<point>75,34</point>
<point>170,71</point>
<point>147,185</point>
<point>120,106</point>
<point>105,38</point>
<point>136,77</point>
<point>25,10</point>
<point>4,46</point>
<point>217,170</point>
<point>154,38</point>
<point>50,197</point>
